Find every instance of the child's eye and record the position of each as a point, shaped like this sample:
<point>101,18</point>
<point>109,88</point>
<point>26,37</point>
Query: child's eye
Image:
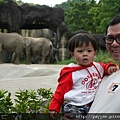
<point>80,51</point>
<point>89,50</point>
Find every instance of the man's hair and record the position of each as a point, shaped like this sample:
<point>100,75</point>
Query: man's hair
<point>78,40</point>
<point>114,21</point>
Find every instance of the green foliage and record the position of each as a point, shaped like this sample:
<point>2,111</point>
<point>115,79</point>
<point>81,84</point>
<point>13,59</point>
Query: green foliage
<point>26,101</point>
<point>5,102</point>
<point>3,1</point>
<point>103,56</point>
<point>76,15</point>
<point>32,101</point>
<point>89,15</point>
<point>19,2</point>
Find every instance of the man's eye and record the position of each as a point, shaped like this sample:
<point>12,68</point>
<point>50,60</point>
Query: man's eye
<point>109,39</point>
<point>118,38</point>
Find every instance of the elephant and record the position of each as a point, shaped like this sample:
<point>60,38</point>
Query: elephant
<point>38,47</point>
<point>11,42</point>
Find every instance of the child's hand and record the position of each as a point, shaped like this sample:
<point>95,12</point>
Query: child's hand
<point>112,69</point>
<point>53,115</point>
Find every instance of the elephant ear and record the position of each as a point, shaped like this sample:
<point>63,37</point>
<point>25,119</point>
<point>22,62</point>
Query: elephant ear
<point>27,41</point>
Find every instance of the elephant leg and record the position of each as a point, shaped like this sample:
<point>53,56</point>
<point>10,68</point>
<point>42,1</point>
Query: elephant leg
<point>18,51</point>
<point>16,58</point>
<point>28,55</point>
<point>43,59</point>
<point>12,57</point>
<point>43,56</point>
<point>47,59</point>
<point>46,55</point>
<point>1,54</point>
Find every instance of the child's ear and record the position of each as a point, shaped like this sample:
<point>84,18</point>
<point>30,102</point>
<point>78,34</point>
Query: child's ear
<point>72,54</point>
<point>95,52</point>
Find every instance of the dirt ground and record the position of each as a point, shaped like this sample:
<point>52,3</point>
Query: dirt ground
<point>19,77</point>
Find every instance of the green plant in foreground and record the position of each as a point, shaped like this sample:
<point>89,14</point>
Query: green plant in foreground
<point>6,104</point>
<point>26,101</point>
<point>32,101</point>
<point>28,104</point>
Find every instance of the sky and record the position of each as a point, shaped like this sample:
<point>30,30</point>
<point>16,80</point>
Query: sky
<point>50,3</point>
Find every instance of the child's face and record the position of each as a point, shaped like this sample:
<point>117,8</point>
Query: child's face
<point>84,55</point>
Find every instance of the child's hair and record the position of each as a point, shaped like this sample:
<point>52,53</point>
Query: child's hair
<point>78,40</point>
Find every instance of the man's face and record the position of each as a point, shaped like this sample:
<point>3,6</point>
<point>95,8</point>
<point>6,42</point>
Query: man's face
<point>114,48</point>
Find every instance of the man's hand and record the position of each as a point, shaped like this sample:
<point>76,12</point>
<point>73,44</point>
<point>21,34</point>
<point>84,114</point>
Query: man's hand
<point>68,116</point>
<point>53,115</point>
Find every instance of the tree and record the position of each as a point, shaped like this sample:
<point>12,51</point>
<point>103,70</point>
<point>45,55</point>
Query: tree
<point>19,2</point>
<point>77,16</point>
<point>103,12</point>
<point>89,15</point>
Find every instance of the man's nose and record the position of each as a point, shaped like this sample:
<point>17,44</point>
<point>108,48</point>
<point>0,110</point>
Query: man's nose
<point>114,43</point>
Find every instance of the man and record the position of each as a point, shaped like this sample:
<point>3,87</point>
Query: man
<point>108,95</point>
<point>107,99</point>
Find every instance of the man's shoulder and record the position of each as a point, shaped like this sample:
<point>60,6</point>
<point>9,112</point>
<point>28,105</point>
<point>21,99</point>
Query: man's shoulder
<point>107,93</point>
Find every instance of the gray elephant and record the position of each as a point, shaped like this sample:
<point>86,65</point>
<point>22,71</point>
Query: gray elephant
<point>11,42</point>
<point>38,47</point>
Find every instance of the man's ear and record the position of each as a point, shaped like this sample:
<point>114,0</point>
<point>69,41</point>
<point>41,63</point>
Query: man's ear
<point>72,54</point>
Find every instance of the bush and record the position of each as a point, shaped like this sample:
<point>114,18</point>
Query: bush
<point>27,101</point>
<point>6,103</point>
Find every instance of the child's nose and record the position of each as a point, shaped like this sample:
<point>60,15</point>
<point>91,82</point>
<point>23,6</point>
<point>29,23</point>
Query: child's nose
<point>85,53</point>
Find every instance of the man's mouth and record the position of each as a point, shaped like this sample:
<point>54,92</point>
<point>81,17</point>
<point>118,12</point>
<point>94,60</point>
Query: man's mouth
<point>115,51</point>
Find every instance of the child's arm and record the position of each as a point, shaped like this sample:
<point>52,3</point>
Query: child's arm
<point>109,68</point>
<point>65,84</point>
<point>112,69</point>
